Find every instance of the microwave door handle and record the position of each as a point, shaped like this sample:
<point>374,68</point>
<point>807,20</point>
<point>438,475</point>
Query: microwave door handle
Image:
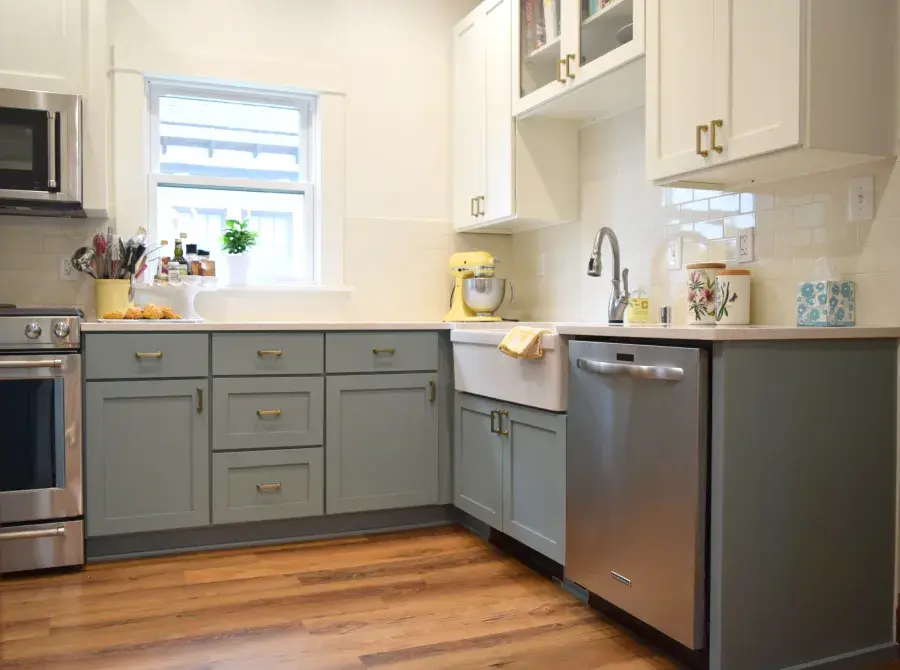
<point>634,371</point>
<point>51,150</point>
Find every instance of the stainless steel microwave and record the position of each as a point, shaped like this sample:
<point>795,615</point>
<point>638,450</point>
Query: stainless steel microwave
<point>40,154</point>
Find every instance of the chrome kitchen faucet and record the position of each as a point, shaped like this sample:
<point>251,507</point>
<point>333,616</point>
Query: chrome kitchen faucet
<point>618,299</point>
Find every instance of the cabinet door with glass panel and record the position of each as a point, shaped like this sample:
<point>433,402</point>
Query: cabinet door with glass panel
<point>563,44</point>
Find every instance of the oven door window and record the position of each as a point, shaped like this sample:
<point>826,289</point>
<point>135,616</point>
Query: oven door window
<point>24,149</point>
<point>31,439</point>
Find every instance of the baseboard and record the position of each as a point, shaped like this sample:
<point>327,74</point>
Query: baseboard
<point>117,547</point>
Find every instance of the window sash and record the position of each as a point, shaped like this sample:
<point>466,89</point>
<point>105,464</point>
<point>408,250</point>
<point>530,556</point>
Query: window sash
<point>310,237</point>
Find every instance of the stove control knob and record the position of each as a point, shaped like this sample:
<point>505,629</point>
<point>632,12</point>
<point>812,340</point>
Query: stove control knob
<point>61,329</point>
<point>32,331</point>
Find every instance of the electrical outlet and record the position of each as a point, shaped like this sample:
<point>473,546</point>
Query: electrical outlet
<point>66,271</point>
<point>861,199</point>
<point>673,254</point>
<point>745,246</point>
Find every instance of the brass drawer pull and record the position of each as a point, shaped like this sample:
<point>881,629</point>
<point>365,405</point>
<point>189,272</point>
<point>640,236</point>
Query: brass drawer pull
<point>262,488</point>
<point>473,206</point>
<point>493,416</point>
<point>701,151</point>
<point>384,350</point>
<point>432,390</point>
<point>560,64</point>
<point>199,400</point>
<point>147,354</point>
<point>269,352</point>
<point>268,412</point>
<point>570,60</point>
<point>480,200</point>
<point>501,414</point>
<point>717,123</point>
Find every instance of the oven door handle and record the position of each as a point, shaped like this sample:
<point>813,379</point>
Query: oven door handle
<point>33,534</point>
<point>53,363</point>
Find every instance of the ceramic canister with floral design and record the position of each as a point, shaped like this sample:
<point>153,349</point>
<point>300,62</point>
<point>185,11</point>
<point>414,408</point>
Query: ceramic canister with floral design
<point>733,297</point>
<point>701,293</point>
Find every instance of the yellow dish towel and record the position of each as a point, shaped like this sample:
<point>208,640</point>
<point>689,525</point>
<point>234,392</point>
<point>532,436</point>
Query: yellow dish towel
<point>523,342</point>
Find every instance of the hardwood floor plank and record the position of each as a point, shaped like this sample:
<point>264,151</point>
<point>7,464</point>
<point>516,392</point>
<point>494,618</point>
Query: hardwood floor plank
<point>413,600</point>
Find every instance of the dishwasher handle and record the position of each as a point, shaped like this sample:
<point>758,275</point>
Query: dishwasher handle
<point>658,372</point>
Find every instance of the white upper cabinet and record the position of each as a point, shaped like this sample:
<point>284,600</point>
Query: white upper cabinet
<point>577,58</point>
<point>507,175</point>
<point>41,45</point>
<point>741,92</point>
<point>61,46</point>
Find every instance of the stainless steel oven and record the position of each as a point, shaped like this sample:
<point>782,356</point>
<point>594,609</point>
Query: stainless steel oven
<point>40,153</point>
<point>41,486</point>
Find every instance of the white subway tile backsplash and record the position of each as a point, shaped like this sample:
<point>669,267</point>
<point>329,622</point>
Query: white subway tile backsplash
<point>711,230</point>
<point>795,223</point>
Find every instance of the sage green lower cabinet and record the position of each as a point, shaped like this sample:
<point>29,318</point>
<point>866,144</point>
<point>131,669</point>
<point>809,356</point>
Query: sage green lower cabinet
<point>147,455</point>
<point>381,445</point>
<point>534,479</point>
<point>510,471</point>
<point>478,460</point>
<point>265,485</point>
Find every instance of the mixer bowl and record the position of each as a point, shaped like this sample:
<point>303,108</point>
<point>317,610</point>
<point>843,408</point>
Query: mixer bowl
<point>484,295</point>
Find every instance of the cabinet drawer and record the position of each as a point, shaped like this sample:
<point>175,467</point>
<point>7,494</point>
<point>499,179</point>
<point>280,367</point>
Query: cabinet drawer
<point>257,486</point>
<point>146,355</point>
<point>381,352</point>
<point>267,412</point>
<point>268,354</point>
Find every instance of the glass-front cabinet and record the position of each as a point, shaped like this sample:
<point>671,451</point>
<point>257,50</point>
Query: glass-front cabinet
<point>562,44</point>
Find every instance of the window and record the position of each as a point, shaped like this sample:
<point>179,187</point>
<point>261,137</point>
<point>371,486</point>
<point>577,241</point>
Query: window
<point>220,153</point>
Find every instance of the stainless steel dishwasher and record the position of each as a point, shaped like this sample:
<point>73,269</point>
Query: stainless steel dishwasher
<point>636,481</point>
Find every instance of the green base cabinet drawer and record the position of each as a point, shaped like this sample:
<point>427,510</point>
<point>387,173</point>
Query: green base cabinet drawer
<point>244,354</point>
<point>381,352</point>
<point>267,412</point>
<point>265,485</point>
<point>146,355</point>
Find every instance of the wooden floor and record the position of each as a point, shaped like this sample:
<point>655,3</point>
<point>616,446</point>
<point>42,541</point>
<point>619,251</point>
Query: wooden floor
<point>424,599</point>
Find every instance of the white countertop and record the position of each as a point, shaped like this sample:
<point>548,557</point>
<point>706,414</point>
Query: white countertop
<point>727,333</point>
<point>650,331</point>
<point>139,326</point>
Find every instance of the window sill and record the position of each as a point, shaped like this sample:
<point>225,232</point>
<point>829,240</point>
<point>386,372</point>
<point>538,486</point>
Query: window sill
<point>287,288</point>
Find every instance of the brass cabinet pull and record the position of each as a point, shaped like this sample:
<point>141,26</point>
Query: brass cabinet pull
<point>560,64</point>
<point>384,350</point>
<point>501,414</point>
<point>493,415</point>
<point>147,354</point>
<point>473,206</point>
<point>717,123</point>
<point>269,352</point>
<point>274,486</point>
<point>199,400</point>
<point>570,60</point>
<point>432,390</point>
<point>700,130</point>
<point>480,200</point>
<point>268,412</point>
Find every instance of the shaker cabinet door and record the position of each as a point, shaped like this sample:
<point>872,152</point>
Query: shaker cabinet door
<point>534,479</point>
<point>680,85</point>
<point>381,444</point>
<point>478,460</point>
<point>468,118</point>
<point>147,455</point>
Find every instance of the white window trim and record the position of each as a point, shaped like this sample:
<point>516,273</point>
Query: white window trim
<point>134,63</point>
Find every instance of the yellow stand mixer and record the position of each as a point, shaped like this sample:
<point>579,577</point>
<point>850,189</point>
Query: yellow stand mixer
<point>478,293</point>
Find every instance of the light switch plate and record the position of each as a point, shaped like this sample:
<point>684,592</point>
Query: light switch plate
<point>673,254</point>
<point>861,199</point>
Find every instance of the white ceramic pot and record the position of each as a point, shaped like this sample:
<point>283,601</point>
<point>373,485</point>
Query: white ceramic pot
<point>733,297</point>
<point>238,268</point>
<point>701,293</point>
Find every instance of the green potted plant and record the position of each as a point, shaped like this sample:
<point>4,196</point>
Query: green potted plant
<point>236,242</point>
